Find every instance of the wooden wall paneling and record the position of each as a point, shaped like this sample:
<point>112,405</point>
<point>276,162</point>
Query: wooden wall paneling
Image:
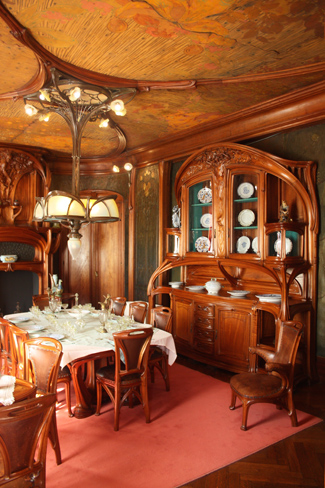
<point>146,228</point>
<point>131,255</point>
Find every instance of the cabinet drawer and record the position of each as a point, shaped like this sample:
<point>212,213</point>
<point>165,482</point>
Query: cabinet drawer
<point>207,335</point>
<point>202,308</point>
<point>204,322</point>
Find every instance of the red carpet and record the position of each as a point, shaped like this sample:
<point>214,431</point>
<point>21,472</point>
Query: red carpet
<point>192,432</point>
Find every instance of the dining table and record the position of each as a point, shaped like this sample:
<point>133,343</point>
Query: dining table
<point>86,344</point>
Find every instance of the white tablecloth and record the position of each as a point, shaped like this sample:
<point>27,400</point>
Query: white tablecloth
<point>86,340</point>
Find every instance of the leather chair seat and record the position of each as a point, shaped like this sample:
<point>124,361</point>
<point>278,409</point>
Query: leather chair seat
<point>256,385</point>
<point>108,372</point>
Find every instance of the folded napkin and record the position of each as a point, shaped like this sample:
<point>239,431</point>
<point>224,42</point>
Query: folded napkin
<point>7,386</point>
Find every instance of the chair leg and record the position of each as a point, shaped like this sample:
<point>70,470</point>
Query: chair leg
<point>152,373</point>
<point>245,415</point>
<point>145,401</point>
<point>291,409</point>
<point>99,398</point>
<point>68,397</point>
<point>117,407</point>
<point>233,400</point>
<point>54,439</point>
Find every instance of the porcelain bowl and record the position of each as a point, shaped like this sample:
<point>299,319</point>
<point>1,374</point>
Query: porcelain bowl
<point>8,258</point>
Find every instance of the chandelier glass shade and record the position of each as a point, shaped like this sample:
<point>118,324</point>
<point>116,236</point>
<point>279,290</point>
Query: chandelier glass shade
<point>77,103</point>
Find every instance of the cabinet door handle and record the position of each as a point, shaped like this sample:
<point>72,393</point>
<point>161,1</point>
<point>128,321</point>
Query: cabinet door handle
<point>96,274</point>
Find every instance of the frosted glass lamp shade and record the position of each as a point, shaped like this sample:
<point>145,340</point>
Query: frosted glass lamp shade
<point>64,206</point>
<point>74,246</point>
<point>103,210</point>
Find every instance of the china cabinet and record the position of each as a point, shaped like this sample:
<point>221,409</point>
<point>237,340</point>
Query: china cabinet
<point>249,220</point>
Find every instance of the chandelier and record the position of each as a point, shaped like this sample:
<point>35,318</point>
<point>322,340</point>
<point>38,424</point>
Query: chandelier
<point>77,103</point>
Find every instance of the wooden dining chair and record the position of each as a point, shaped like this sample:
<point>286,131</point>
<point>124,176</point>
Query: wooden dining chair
<point>5,357</point>
<point>161,317</point>
<point>117,305</point>
<point>139,311</point>
<point>42,358</point>
<point>128,377</point>
<point>275,383</point>
<point>24,428</point>
<point>42,301</point>
<point>17,337</point>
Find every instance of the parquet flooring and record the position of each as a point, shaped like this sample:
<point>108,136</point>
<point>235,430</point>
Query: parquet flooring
<point>295,462</point>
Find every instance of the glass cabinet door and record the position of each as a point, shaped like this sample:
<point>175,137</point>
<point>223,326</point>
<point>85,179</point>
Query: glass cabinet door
<point>244,237</point>
<point>200,218</point>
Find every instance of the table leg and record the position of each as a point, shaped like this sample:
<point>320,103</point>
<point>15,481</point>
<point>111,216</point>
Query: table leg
<point>85,391</point>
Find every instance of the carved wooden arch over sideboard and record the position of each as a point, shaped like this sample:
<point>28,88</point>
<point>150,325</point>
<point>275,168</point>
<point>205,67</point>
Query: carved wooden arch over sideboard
<point>231,229</point>
<point>23,177</point>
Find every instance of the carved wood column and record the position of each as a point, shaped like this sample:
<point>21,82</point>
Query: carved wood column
<point>164,209</point>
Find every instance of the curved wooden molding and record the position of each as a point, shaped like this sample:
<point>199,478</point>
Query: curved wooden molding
<point>50,60</point>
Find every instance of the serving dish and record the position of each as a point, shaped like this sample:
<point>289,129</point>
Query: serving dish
<point>8,258</point>
<point>206,220</point>
<point>245,190</point>
<point>213,286</point>
<point>270,298</point>
<point>205,195</point>
<point>195,288</point>
<point>246,217</point>
<point>202,244</point>
<point>175,284</point>
<point>243,244</point>
<point>238,293</point>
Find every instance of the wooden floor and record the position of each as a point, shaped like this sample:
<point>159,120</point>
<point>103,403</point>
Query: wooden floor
<point>296,462</point>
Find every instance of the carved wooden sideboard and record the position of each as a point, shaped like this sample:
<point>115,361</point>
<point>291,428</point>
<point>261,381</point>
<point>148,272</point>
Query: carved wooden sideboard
<point>250,220</point>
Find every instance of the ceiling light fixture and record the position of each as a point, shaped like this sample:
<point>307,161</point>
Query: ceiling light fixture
<point>77,103</point>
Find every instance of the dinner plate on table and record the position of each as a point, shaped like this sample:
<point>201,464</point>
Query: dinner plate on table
<point>58,337</point>
<point>19,320</point>
<point>30,328</point>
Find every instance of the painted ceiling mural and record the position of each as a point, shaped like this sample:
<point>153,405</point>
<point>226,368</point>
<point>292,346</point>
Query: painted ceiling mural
<point>234,53</point>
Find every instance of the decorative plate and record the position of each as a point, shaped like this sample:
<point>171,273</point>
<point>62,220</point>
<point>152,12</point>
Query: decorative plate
<point>206,220</point>
<point>195,288</point>
<point>271,298</point>
<point>243,244</point>
<point>246,217</point>
<point>245,190</point>
<point>277,246</point>
<point>255,244</point>
<point>205,195</point>
<point>202,244</point>
<point>238,293</point>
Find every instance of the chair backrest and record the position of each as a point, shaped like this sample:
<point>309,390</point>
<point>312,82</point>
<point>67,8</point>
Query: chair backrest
<point>117,305</point>
<point>42,362</point>
<point>5,357</point>
<point>42,301</point>
<point>161,317</point>
<point>139,311</point>
<point>17,337</point>
<point>134,346</point>
<point>287,343</point>
<point>24,428</point>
